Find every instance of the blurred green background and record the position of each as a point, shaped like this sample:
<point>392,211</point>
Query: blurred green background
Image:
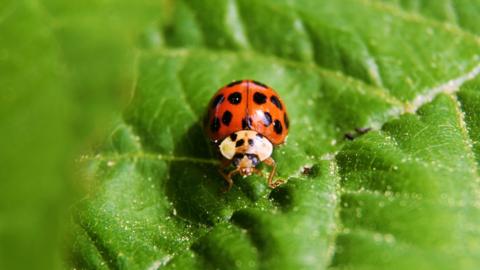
<point>66,69</point>
<point>69,69</point>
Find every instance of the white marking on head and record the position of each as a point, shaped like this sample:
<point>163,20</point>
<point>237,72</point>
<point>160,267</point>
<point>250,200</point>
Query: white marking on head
<point>227,148</point>
<point>262,146</point>
<point>253,143</point>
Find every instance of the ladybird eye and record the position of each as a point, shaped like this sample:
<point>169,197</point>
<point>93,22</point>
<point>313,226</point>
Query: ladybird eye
<point>238,156</point>
<point>254,159</point>
<point>236,159</point>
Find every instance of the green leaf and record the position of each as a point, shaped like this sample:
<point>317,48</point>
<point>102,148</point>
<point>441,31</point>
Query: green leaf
<point>403,197</point>
<point>470,100</point>
<point>410,193</point>
<point>463,13</point>
<point>175,177</point>
<point>380,44</point>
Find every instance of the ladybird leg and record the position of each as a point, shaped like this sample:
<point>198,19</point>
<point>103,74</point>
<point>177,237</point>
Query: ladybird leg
<point>228,178</point>
<point>270,162</point>
<point>224,163</point>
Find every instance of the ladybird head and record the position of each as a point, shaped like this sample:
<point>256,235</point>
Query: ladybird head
<point>245,163</point>
<point>246,149</point>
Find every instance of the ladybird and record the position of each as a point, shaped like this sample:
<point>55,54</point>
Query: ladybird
<point>246,119</point>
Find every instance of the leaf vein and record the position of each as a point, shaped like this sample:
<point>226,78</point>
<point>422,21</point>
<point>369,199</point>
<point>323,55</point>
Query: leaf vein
<point>148,156</point>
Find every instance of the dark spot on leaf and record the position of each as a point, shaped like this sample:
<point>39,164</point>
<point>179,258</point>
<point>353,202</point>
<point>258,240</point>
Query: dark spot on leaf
<point>358,132</point>
<point>235,98</point>
<point>307,171</point>
<point>259,98</point>
<point>362,131</point>
<point>349,136</point>
<point>310,171</point>
<point>276,102</point>
<point>227,118</point>
<point>277,127</point>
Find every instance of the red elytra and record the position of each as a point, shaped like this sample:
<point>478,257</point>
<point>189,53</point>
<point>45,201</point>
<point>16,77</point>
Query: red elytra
<point>247,105</point>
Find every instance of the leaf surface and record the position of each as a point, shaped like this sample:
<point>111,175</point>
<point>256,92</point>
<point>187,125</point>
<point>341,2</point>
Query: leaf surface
<point>406,190</point>
<point>410,193</point>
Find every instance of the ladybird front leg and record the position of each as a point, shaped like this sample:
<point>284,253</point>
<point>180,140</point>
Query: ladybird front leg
<point>224,163</point>
<point>270,162</point>
<point>228,177</point>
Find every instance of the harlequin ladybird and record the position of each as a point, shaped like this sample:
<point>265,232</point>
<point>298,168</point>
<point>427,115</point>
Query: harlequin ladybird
<point>246,119</point>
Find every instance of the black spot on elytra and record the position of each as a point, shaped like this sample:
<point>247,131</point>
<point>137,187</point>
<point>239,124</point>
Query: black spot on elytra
<point>277,127</point>
<point>259,98</point>
<point>233,136</point>
<point>239,143</point>
<point>251,142</point>
<point>234,83</point>
<point>227,118</point>
<point>286,121</point>
<point>217,101</point>
<point>215,125</point>
<point>267,119</point>
<point>235,98</point>
<point>260,84</point>
<point>276,102</point>
<point>247,123</point>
